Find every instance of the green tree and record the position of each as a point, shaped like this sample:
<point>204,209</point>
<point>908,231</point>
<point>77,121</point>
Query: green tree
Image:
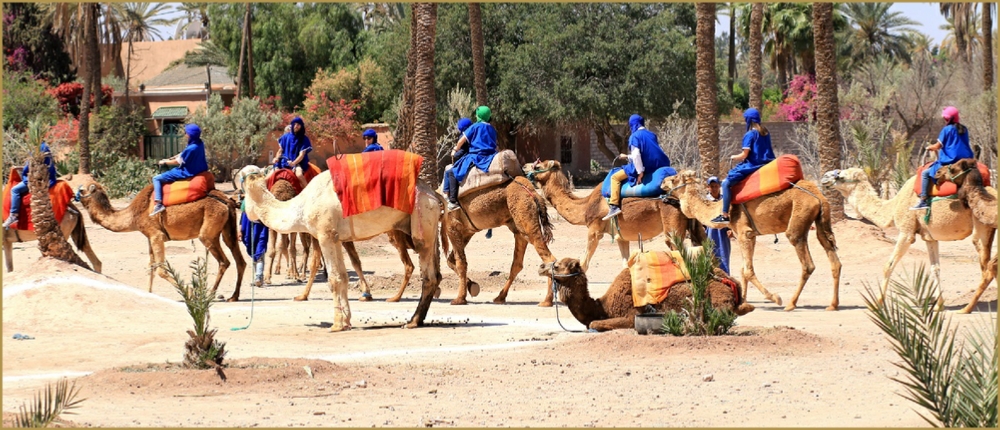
<point>29,41</point>
<point>877,31</point>
<point>233,136</point>
<point>25,99</point>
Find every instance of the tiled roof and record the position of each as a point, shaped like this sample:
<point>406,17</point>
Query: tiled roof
<point>187,75</point>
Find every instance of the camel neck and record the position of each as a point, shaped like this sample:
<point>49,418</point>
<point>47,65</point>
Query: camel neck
<point>577,298</point>
<point>695,205</point>
<point>570,207</point>
<point>119,221</point>
<point>280,216</point>
<point>871,207</point>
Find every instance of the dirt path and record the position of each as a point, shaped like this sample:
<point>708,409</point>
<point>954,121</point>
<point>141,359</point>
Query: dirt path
<point>475,365</point>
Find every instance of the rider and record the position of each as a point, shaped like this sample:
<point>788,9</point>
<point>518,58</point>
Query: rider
<point>463,124</point>
<point>18,192</point>
<point>295,147</point>
<point>482,141</point>
<point>644,155</point>
<point>191,161</point>
<point>254,238</point>
<point>756,153</point>
<point>371,141</point>
<point>953,142</point>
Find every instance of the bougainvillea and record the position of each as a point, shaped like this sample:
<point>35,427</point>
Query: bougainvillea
<point>70,93</point>
<point>327,120</point>
<point>798,103</point>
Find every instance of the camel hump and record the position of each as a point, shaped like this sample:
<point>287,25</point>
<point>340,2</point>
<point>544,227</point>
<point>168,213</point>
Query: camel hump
<point>503,168</point>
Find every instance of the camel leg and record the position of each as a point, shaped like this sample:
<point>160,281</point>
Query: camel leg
<point>835,266</point>
<point>272,249</point>
<point>799,241</point>
<point>934,255</point>
<point>594,235</point>
<point>903,242</point>
<point>152,262</point>
<point>159,260</point>
<point>315,257</point>
<point>398,242</point>
<point>983,240</point>
<point>461,266</point>
<point>79,235</point>
<point>426,245</point>
<point>338,283</point>
<point>8,259</point>
<point>283,254</point>
<point>229,238</point>
<point>306,240</point>
<point>613,323</point>
<point>623,249</point>
<point>747,244</point>
<point>520,245</point>
<point>352,253</point>
<point>293,268</point>
<point>214,248</point>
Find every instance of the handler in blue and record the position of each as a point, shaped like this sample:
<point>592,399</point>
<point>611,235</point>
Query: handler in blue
<point>756,153</point>
<point>463,124</point>
<point>644,156</point>
<point>18,192</point>
<point>295,147</point>
<point>191,161</point>
<point>371,141</point>
<point>953,144</point>
<point>720,236</point>
<point>481,138</point>
<point>254,238</point>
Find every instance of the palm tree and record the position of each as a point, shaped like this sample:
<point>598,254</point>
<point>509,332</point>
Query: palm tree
<point>827,107</point>
<point>988,45</point>
<point>246,53</point>
<point>425,112</point>
<point>961,44</point>
<point>141,20</point>
<point>705,91</point>
<point>67,20</point>
<point>876,31</point>
<point>378,16</point>
<point>756,74</point>
<point>194,12</point>
<point>91,63</point>
<point>404,124</point>
<point>478,56</point>
<point>959,16</point>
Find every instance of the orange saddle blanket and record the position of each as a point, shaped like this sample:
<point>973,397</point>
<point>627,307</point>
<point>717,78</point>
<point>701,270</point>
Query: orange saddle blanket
<point>188,190</point>
<point>775,176</point>
<point>948,188</point>
<point>370,180</point>
<point>60,194</point>
<point>653,273</point>
<point>289,175</point>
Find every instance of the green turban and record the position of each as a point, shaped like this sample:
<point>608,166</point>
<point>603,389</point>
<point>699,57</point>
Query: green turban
<point>483,114</point>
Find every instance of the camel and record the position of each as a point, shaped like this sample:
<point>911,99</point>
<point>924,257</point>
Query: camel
<point>317,210</point>
<point>71,226</point>
<point>514,204</point>
<point>643,218</point>
<point>792,211</point>
<point>982,200</point>
<point>283,245</point>
<point>205,219</point>
<point>950,220</point>
<point>616,310</point>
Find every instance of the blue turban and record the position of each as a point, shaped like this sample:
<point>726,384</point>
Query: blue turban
<point>635,121</point>
<point>370,133</point>
<point>463,124</point>
<point>193,130</point>
<point>751,115</point>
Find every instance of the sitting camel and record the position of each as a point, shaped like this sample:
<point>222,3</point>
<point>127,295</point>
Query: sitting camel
<point>616,310</point>
<point>71,226</point>
<point>205,219</point>
<point>317,210</point>
<point>791,211</point>
<point>643,218</point>
<point>949,220</point>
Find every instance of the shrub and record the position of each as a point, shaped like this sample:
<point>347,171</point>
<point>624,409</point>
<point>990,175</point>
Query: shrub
<point>698,317</point>
<point>25,99</point>
<point>233,136</point>
<point>798,103</point>
<point>69,95</point>
<point>202,351</point>
<point>47,408</point>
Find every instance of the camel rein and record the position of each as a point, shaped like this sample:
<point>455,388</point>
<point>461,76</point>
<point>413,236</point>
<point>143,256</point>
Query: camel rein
<point>555,294</point>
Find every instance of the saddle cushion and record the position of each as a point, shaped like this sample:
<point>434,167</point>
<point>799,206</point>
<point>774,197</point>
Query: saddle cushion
<point>370,180</point>
<point>503,167</point>
<point>947,188</point>
<point>61,194</point>
<point>188,190</point>
<point>775,176</point>
<point>650,186</point>
<point>653,273</point>
<point>289,175</point>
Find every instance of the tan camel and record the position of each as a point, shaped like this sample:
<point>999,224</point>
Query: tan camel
<point>645,217</point>
<point>791,211</point>
<point>616,310</point>
<point>71,226</point>
<point>317,210</point>
<point>514,204</point>
<point>950,220</point>
<point>205,219</point>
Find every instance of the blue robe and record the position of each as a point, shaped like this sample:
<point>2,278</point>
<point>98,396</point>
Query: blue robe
<point>373,147</point>
<point>652,156</point>
<point>193,162</point>
<point>954,147</point>
<point>482,144</point>
<point>291,144</point>
<point>254,237</point>
<point>759,155</point>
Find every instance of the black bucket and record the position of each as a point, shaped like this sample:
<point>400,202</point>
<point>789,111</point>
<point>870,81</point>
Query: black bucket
<point>649,323</point>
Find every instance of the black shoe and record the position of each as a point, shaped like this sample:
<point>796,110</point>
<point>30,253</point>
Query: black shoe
<point>721,219</point>
<point>923,204</point>
<point>613,212</point>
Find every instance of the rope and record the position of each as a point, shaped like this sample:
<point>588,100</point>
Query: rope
<point>927,214</point>
<point>253,246</point>
<point>555,288</point>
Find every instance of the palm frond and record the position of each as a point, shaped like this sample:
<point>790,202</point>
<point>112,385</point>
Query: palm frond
<point>49,405</point>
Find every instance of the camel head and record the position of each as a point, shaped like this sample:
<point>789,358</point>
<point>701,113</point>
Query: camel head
<point>673,185</point>
<point>843,180</point>
<point>253,189</point>
<point>86,192</point>
<point>568,275</point>
<point>956,172</point>
<point>241,175</point>
<point>567,267</point>
<point>539,172</point>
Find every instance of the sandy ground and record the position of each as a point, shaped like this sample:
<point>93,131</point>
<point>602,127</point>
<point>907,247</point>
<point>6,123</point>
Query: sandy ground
<point>476,365</point>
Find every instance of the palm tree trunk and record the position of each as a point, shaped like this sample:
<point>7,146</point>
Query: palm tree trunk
<point>828,108</point>
<point>95,47</point>
<point>404,124</point>
<point>89,32</point>
<point>732,47</point>
<point>987,46</point>
<point>705,91</point>
<point>51,241</point>
<point>250,50</point>
<point>756,42</point>
<point>478,55</point>
<point>425,103</point>
<point>243,51</point>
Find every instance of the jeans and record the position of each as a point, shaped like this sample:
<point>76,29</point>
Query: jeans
<point>452,186</point>
<point>16,195</point>
<point>925,184</point>
<point>727,195</point>
<point>616,187</point>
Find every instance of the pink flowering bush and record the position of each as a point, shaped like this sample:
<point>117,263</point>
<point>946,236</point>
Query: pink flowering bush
<point>799,99</point>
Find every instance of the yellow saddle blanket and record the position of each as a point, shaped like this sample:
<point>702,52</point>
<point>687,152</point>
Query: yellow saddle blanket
<point>653,273</point>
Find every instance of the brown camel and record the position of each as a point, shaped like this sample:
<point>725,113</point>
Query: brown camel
<point>949,220</point>
<point>284,244</point>
<point>792,211</point>
<point>71,226</point>
<point>981,199</point>
<point>514,204</point>
<point>205,219</point>
<point>640,217</point>
<point>616,310</point>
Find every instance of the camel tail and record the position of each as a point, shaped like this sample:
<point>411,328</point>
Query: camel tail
<point>79,234</point>
<point>543,219</point>
<point>824,224</point>
<point>444,225</point>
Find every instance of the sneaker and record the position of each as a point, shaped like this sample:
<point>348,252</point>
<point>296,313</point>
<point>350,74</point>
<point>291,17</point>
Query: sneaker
<point>721,219</point>
<point>613,212</point>
<point>923,204</point>
<point>11,220</point>
<point>157,209</point>
<point>453,206</point>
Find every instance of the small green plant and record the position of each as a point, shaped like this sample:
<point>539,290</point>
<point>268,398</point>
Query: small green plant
<point>49,405</point>
<point>698,317</point>
<point>956,383</point>
<point>202,350</point>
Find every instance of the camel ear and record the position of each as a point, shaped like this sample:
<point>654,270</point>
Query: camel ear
<point>92,187</point>
<point>574,266</point>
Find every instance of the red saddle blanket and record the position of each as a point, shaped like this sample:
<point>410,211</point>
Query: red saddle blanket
<point>370,180</point>
<point>775,176</point>
<point>188,190</point>
<point>289,175</point>
<point>60,194</point>
<point>948,188</point>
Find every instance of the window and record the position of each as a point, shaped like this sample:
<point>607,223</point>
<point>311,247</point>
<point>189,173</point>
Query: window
<point>566,150</point>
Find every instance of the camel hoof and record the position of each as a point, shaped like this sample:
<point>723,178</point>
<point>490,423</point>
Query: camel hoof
<point>301,298</point>
<point>459,301</point>
<point>500,300</point>
<point>410,325</point>
<point>966,310</point>
<point>777,300</point>
<point>233,299</point>
<point>473,289</point>
<point>545,305</point>
<point>393,299</point>
<point>789,308</point>
<point>335,329</point>
<point>832,307</point>
<point>437,293</point>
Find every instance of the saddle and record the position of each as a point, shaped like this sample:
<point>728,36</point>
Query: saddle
<point>650,186</point>
<point>60,194</point>
<point>653,274</point>
<point>503,167</point>
<point>188,190</point>
<point>775,176</point>
<point>289,175</point>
